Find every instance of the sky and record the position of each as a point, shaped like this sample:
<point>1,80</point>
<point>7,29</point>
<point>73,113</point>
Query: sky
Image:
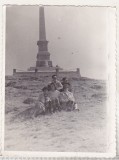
<point>77,38</point>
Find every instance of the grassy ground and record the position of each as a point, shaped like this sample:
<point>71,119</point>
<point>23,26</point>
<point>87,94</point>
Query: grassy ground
<point>83,131</point>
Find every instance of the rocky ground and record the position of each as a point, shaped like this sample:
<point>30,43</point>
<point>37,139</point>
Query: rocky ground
<point>83,131</point>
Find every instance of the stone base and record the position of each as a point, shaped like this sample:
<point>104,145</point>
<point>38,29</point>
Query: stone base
<point>43,68</point>
<point>45,74</point>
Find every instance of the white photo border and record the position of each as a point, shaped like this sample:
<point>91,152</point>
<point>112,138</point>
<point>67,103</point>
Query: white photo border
<point>114,87</point>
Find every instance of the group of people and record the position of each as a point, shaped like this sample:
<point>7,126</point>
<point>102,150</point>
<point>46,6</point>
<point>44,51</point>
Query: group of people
<point>56,96</point>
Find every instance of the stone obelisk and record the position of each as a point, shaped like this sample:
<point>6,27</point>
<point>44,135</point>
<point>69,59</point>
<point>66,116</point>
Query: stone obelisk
<point>43,56</point>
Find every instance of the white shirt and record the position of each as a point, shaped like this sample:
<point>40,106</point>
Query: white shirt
<point>57,84</point>
<point>66,96</point>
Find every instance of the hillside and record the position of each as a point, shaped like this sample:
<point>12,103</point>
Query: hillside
<point>83,131</point>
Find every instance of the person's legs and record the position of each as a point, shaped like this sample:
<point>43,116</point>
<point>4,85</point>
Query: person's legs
<point>54,105</point>
<point>48,107</point>
<point>39,109</point>
<point>57,105</point>
<point>70,105</point>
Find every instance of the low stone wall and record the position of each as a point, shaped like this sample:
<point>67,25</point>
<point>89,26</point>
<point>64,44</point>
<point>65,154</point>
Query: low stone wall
<point>61,74</point>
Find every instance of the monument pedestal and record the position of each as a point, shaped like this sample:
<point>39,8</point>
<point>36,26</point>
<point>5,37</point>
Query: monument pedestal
<point>41,69</point>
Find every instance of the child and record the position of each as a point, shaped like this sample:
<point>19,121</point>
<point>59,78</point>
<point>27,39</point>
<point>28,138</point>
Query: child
<point>43,103</point>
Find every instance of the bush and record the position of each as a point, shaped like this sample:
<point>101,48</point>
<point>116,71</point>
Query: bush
<point>97,96</point>
<point>75,78</point>
<point>29,101</point>
<point>96,87</point>
<point>10,84</point>
<point>20,87</point>
<point>33,78</point>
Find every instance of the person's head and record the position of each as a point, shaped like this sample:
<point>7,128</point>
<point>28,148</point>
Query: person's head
<point>64,80</point>
<point>45,90</point>
<point>54,77</point>
<point>52,87</point>
<point>66,86</point>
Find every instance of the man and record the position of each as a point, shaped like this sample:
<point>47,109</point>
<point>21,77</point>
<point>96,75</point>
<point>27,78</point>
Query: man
<point>57,83</point>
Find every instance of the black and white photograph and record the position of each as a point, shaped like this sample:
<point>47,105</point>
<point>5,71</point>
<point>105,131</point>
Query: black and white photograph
<point>57,78</point>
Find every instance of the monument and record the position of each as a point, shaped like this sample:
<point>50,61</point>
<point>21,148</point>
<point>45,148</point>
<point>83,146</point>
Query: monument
<point>43,61</point>
<point>43,56</point>
<point>44,66</point>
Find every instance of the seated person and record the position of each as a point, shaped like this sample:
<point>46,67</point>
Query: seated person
<point>54,97</point>
<point>66,99</point>
<point>43,103</point>
<point>57,83</point>
<point>41,106</point>
<point>63,81</point>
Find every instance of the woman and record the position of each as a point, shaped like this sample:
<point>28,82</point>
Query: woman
<point>65,80</point>
<point>66,98</point>
<point>54,97</point>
